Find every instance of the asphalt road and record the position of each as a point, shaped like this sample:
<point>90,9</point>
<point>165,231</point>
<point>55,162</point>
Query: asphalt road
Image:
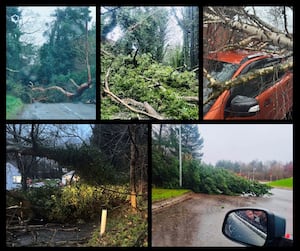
<point>197,221</point>
<point>64,111</point>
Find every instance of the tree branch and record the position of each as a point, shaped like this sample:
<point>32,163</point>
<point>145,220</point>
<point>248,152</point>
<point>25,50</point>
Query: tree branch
<point>116,98</point>
<point>219,87</point>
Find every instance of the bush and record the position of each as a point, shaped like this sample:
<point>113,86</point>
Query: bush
<point>84,202</point>
<point>71,203</point>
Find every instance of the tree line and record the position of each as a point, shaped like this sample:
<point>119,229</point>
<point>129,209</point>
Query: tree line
<point>258,170</point>
<point>146,29</point>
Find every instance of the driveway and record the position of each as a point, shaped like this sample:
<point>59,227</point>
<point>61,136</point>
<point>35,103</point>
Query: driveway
<point>196,221</point>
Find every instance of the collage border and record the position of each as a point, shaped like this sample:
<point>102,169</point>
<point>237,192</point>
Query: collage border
<point>98,119</point>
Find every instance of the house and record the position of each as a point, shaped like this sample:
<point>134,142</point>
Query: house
<point>216,36</point>
<point>13,177</point>
<point>69,177</point>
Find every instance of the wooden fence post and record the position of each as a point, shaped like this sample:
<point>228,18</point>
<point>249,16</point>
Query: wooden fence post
<point>103,221</point>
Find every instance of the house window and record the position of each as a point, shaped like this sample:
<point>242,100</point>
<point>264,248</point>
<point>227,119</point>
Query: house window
<point>16,179</point>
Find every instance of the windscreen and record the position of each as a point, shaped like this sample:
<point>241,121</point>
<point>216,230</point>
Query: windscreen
<point>221,72</point>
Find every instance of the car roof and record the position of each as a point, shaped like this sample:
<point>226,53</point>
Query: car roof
<point>234,56</point>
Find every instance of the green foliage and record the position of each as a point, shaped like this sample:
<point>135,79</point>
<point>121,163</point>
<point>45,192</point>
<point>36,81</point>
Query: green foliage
<point>287,183</point>
<point>202,178</point>
<point>191,174</point>
<point>17,89</point>
<point>70,203</point>
<point>40,198</point>
<point>143,27</point>
<point>164,170</point>
<point>192,142</point>
<point>125,228</point>
<point>13,106</point>
<point>175,57</point>
<point>140,83</point>
<point>90,164</point>
<point>83,202</point>
<point>62,57</point>
<point>190,28</point>
<point>13,34</point>
<point>58,55</point>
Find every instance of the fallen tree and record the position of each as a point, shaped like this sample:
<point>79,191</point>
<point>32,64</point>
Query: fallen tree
<point>249,25</point>
<point>148,89</point>
<point>129,103</point>
<point>219,87</point>
<point>241,30</point>
<point>80,88</point>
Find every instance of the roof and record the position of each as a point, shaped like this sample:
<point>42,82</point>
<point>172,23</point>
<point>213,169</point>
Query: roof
<point>69,173</point>
<point>233,56</point>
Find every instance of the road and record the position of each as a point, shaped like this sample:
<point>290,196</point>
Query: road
<point>197,221</point>
<point>64,111</point>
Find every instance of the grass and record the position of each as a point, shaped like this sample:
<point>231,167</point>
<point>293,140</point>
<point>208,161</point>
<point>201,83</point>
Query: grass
<point>125,228</point>
<point>13,106</point>
<point>162,194</point>
<point>284,183</point>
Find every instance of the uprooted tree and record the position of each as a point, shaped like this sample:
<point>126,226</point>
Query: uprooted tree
<point>137,81</point>
<point>97,163</point>
<point>79,89</point>
<point>62,68</point>
<point>241,28</point>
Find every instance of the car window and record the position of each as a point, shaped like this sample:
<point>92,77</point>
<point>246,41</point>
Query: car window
<point>221,71</point>
<point>257,85</point>
<point>206,92</point>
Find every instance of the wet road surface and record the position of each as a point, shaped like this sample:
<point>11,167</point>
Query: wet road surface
<point>197,221</point>
<point>58,111</point>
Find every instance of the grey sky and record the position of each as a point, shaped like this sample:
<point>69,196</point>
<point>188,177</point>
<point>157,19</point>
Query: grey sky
<point>35,19</point>
<point>242,142</point>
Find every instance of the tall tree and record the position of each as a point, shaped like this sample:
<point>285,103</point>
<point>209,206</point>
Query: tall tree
<point>13,34</point>
<point>144,28</point>
<point>165,153</point>
<point>189,24</point>
<point>58,55</point>
<point>125,146</point>
<point>192,142</point>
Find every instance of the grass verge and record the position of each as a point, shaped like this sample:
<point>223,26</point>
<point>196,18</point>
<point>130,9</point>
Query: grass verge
<point>162,194</point>
<point>13,106</point>
<point>283,183</point>
<point>125,228</point>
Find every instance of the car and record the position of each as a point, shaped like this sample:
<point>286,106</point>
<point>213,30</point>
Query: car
<point>268,96</point>
<point>256,227</point>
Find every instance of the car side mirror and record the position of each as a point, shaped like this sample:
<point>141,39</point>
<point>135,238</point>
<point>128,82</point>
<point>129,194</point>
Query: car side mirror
<point>253,226</point>
<point>243,106</point>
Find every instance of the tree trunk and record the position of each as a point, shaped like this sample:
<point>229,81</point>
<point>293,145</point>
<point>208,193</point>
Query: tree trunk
<point>277,39</point>
<point>133,157</point>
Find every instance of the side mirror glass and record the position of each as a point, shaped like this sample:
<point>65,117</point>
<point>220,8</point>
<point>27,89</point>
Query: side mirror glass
<point>247,226</point>
<point>243,106</point>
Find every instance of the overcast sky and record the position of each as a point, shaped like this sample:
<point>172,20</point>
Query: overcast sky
<point>35,19</point>
<point>247,142</point>
<point>174,33</point>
